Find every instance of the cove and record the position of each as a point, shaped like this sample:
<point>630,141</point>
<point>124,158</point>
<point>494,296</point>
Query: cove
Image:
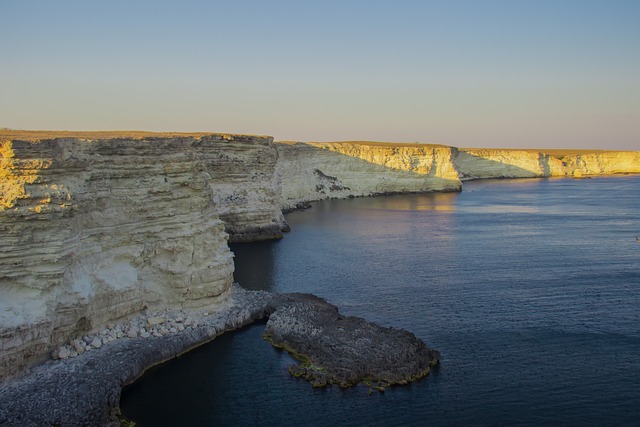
<point>528,288</point>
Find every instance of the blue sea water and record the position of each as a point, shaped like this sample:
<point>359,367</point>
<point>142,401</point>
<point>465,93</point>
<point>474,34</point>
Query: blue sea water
<point>530,289</point>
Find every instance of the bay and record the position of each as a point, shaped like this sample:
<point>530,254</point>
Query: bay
<point>530,289</point>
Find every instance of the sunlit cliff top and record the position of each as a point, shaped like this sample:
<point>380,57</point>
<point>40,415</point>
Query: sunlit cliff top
<point>371,143</point>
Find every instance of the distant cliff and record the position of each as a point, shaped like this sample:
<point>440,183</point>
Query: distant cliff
<point>483,163</point>
<point>99,226</point>
<point>316,171</point>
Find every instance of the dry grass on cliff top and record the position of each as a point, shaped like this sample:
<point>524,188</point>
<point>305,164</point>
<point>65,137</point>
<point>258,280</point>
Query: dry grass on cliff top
<point>38,135</point>
<point>370,143</point>
<point>557,152</point>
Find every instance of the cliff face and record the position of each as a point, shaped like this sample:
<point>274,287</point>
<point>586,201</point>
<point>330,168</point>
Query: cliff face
<point>600,163</point>
<point>96,230</point>
<point>244,188</point>
<point>315,171</point>
<point>504,163</point>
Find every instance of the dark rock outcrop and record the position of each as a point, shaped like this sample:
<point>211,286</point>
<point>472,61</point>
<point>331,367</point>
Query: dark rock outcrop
<point>345,350</point>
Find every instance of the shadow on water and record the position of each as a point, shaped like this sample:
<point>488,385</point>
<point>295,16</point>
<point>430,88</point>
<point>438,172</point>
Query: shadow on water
<point>254,264</point>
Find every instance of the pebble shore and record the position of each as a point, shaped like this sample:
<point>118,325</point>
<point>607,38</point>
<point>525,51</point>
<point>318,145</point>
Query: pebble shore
<point>81,384</point>
<point>158,324</point>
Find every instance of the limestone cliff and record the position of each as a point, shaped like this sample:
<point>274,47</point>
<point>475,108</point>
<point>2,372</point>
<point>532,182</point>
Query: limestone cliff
<point>315,171</point>
<point>94,230</point>
<point>96,227</point>
<point>506,163</point>
<point>244,188</point>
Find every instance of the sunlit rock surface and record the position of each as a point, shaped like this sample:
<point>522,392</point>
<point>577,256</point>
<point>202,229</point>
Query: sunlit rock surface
<point>98,227</point>
<point>316,171</point>
<point>483,163</point>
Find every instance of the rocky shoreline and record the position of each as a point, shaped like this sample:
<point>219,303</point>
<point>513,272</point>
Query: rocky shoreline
<point>85,390</point>
<point>82,384</point>
<point>101,226</point>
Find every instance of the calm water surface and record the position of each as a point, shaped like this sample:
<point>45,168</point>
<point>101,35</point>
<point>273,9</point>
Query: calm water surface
<point>530,289</point>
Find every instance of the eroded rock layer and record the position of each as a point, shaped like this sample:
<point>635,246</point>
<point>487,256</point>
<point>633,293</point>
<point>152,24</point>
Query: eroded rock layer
<point>85,390</point>
<point>98,229</point>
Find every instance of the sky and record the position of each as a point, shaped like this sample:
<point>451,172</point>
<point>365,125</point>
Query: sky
<point>490,73</point>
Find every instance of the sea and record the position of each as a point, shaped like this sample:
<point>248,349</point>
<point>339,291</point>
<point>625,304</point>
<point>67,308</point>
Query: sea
<point>529,288</point>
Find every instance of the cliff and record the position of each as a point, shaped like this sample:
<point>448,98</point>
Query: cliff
<point>98,226</point>
<point>506,163</point>
<point>315,171</point>
<point>95,230</point>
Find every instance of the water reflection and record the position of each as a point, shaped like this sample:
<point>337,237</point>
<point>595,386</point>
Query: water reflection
<point>445,202</point>
<point>357,231</point>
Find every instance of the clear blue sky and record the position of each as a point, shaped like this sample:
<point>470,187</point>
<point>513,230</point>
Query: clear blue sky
<point>510,73</point>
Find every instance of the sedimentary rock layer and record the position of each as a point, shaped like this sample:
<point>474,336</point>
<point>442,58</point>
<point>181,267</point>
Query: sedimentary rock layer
<point>95,230</point>
<point>479,163</point>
